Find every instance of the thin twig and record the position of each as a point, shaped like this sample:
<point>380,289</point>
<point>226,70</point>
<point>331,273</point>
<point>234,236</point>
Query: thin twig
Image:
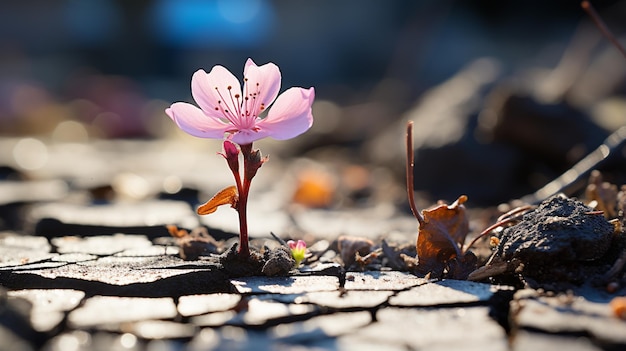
<point>514,212</point>
<point>591,11</point>
<point>281,241</point>
<point>488,230</point>
<point>410,165</point>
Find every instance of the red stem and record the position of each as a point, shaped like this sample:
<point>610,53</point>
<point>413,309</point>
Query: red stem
<point>410,165</point>
<point>244,249</point>
<point>591,11</point>
<point>487,231</point>
<point>242,203</point>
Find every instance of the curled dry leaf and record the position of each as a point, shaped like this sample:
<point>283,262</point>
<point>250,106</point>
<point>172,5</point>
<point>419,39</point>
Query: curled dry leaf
<point>226,196</point>
<point>349,246</point>
<point>441,236</point>
<point>195,244</point>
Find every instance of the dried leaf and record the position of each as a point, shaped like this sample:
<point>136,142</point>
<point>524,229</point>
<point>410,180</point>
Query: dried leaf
<point>226,196</point>
<point>349,246</point>
<point>440,236</point>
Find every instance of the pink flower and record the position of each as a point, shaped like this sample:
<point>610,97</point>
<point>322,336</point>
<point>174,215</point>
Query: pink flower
<point>298,250</point>
<point>226,110</point>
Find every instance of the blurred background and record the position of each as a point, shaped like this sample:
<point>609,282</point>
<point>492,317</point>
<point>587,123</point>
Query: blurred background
<point>505,95</point>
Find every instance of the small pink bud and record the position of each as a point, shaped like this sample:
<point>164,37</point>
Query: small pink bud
<point>230,149</point>
<point>298,250</point>
<point>231,154</point>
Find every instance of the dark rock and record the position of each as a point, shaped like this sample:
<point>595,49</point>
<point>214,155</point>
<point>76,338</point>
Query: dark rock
<point>547,131</point>
<point>556,241</point>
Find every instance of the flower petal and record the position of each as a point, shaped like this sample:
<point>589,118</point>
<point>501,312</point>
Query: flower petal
<point>263,84</point>
<point>192,120</point>
<point>290,115</point>
<point>243,137</point>
<point>204,92</point>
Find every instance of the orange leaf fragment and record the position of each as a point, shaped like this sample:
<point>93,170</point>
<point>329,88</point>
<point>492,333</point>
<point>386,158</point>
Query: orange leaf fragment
<point>226,196</point>
<point>175,232</point>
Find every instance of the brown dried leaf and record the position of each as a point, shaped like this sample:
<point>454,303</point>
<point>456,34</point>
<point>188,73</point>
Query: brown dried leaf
<point>226,196</point>
<point>441,234</point>
<point>197,243</point>
<point>349,246</point>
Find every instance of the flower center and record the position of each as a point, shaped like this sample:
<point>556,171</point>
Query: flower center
<point>241,112</point>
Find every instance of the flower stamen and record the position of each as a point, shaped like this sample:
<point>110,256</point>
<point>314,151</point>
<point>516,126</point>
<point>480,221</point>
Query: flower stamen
<point>230,116</point>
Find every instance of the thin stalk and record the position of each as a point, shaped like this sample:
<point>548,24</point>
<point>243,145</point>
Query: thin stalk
<point>488,230</point>
<point>591,11</point>
<point>242,203</point>
<point>244,249</point>
<point>410,165</point>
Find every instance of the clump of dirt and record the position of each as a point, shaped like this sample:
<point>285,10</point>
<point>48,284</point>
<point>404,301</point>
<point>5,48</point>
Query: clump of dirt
<point>199,243</point>
<point>561,241</point>
<point>270,262</point>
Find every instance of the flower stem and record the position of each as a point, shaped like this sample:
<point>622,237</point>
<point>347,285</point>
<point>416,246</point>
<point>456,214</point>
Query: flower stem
<point>244,249</point>
<point>250,167</point>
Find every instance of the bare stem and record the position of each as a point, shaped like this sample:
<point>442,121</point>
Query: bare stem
<point>244,248</point>
<point>597,20</point>
<point>242,203</point>
<point>410,165</point>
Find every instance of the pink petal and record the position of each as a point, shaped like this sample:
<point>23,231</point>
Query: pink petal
<point>193,121</point>
<point>243,137</point>
<point>290,115</point>
<point>204,93</point>
<point>268,78</point>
